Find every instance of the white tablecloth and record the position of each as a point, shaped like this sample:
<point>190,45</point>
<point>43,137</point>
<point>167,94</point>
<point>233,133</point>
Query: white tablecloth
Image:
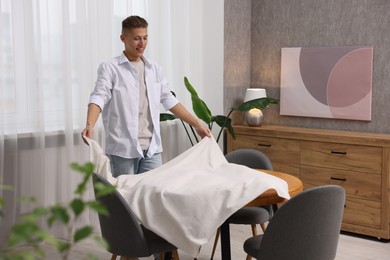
<point>189,197</point>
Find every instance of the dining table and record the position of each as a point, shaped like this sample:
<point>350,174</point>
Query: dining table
<point>269,197</point>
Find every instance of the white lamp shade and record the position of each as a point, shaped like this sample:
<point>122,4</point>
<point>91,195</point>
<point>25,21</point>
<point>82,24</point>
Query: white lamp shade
<point>254,93</point>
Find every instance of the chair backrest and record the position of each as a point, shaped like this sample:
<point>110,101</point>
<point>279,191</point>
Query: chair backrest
<point>305,227</point>
<point>120,228</point>
<point>249,157</point>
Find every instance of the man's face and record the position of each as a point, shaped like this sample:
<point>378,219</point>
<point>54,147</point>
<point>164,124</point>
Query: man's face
<point>135,41</point>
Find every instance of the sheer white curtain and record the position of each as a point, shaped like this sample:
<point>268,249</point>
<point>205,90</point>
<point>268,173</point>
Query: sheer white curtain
<point>49,53</point>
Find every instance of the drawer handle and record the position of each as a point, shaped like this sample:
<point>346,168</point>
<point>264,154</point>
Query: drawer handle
<point>336,152</point>
<point>264,145</point>
<point>338,179</point>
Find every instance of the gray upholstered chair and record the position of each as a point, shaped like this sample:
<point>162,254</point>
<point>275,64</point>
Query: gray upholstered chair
<point>126,237</point>
<point>248,215</point>
<point>305,227</point>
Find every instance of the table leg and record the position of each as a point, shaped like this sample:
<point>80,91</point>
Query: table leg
<point>225,241</point>
<point>275,207</point>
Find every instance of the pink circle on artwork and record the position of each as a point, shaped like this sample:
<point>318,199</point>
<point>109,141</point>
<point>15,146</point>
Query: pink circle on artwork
<point>316,65</point>
<point>350,80</point>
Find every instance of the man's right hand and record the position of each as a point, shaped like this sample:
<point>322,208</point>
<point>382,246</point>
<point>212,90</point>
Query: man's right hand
<point>92,116</point>
<point>87,132</point>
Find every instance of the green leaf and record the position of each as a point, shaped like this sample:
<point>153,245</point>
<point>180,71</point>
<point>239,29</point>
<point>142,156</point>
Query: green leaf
<point>224,122</point>
<point>50,239</point>
<point>62,246</point>
<point>76,167</point>
<point>90,256</point>
<point>101,241</point>
<point>22,254</point>
<point>20,233</point>
<point>5,187</point>
<point>81,188</point>
<point>82,233</point>
<point>77,206</point>
<point>98,207</point>
<point>28,200</point>
<point>102,189</point>
<point>86,168</point>
<point>260,103</point>
<point>89,167</point>
<point>189,87</point>
<point>58,213</point>
<point>166,117</point>
<point>25,232</point>
<point>40,211</point>
<point>198,105</point>
<point>201,110</point>
<point>36,214</point>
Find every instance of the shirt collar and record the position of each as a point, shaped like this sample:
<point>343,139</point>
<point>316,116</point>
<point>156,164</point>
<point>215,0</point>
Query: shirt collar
<point>123,59</point>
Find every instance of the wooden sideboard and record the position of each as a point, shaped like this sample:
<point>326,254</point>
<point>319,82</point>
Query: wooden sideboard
<point>357,161</point>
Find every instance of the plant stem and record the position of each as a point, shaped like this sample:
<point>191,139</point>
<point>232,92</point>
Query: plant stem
<point>70,229</point>
<point>188,134</point>
<point>224,125</point>
<point>193,132</point>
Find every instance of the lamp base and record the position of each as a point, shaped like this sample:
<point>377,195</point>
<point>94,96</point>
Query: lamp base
<point>254,119</point>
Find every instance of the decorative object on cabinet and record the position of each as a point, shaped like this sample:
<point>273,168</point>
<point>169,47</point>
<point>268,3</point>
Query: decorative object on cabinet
<point>327,82</point>
<point>254,117</point>
<point>357,161</point>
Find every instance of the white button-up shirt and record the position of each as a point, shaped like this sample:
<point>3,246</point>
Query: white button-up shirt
<point>117,94</point>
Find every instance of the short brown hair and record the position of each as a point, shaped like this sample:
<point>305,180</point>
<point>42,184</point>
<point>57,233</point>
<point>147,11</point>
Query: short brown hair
<point>134,21</point>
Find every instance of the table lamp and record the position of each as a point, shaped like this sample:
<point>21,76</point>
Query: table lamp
<point>254,117</point>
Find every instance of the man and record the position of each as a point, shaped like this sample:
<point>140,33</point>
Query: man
<point>128,92</point>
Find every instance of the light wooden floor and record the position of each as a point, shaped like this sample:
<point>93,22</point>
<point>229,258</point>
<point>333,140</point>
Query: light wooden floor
<point>350,248</point>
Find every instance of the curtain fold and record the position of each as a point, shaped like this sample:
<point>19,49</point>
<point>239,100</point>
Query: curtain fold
<point>49,54</point>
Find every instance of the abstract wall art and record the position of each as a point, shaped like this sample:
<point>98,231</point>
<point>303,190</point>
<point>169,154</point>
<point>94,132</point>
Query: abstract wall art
<point>327,82</point>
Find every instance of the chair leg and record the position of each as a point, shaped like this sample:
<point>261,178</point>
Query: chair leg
<point>254,230</point>
<point>113,257</point>
<point>262,225</point>
<point>215,243</point>
<point>162,256</point>
<point>175,255</point>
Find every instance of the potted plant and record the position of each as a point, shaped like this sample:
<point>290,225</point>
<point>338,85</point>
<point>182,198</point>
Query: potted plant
<point>27,230</point>
<point>202,111</point>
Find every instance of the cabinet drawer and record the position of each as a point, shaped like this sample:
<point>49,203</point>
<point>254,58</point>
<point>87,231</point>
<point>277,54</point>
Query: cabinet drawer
<point>363,213</point>
<point>355,158</point>
<point>356,184</point>
<point>283,153</point>
<point>359,212</point>
<point>242,142</point>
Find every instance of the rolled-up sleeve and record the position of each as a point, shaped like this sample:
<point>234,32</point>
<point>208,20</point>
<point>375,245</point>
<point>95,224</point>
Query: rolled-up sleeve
<point>167,99</point>
<point>101,95</point>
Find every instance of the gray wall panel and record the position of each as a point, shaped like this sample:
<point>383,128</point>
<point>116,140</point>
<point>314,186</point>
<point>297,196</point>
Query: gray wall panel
<point>315,23</point>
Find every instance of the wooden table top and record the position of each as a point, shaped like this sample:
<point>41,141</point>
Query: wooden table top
<point>270,196</point>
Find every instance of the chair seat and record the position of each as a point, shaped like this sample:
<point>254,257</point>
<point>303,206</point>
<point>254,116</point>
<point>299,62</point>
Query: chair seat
<point>252,245</point>
<point>249,216</point>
